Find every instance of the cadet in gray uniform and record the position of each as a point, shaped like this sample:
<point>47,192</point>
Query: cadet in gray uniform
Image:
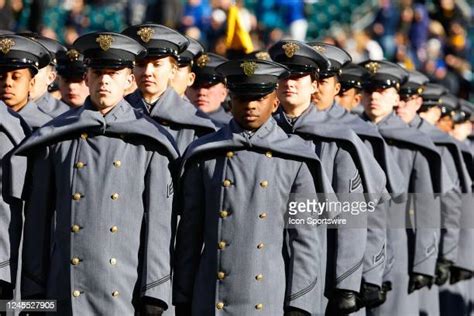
<point>411,252</point>
<point>209,91</point>
<point>71,71</point>
<point>185,76</point>
<point>13,130</point>
<point>237,183</point>
<point>373,291</point>
<point>102,173</point>
<point>349,165</point>
<point>20,59</point>
<point>154,72</point>
<point>451,202</point>
<point>45,77</point>
<point>350,94</point>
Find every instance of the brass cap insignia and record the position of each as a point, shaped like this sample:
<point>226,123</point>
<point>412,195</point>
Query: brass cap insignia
<point>145,33</point>
<point>6,44</point>
<point>290,49</point>
<point>202,60</point>
<point>420,90</point>
<point>372,67</point>
<point>262,56</point>
<point>105,41</point>
<point>249,67</point>
<point>73,54</point>
<point>319,48</point>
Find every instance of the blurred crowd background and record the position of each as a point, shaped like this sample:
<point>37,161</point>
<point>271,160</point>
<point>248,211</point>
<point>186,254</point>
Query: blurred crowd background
<point>433,36</point>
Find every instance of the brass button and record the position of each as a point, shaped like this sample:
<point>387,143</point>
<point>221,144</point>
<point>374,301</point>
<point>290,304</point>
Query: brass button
<point>76,196</point>
<point>223,213</point>
<point>262,216</point>
<point>75,261</point>
<point>220,305</point>
<point>76,293</point>
<point>259,277</point>
<point>259,306</point>
<point>260,245</point>
<point>117,163</point>
<point>114,196</point>
<point>115,293</point>
<point>84,135</point>
<point>230,154</point>
<point>80,165</point>
<point>114,229</point>
<point>221,245</point>
<point>220,275</point>
<point>411,212</point>
<point>75,228</point>
<point>264,184</point>
<point>113,261</point>
<point>269,154</point>
<point>226,183</point>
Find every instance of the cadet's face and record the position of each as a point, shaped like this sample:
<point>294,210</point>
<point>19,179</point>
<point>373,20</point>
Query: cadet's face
<point>380,102</point>
<point>327,90</point>
<point>296,90</point>
<point>251,113</point>
<point>73,91</point>
<point>107,86</point>
<point>183,79</point>
<point>445,124</point>
<point>15,86</point>
<point>207,98</point>
<point>349,99</point>
<point>153,76</point>
<point>462,131</point>
<point>44,78</point>
<point>432,115</point>
<point>408,106</point>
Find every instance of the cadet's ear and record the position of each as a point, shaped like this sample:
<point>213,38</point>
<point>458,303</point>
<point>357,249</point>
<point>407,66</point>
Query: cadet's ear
<point>51,75</point>
<point>314,87</point>
<point>130,79</point>
<point>357,99</point>
<point>32,83</point>
<point>337,88</point>
<point>275,104</point>
<point>191,78</point>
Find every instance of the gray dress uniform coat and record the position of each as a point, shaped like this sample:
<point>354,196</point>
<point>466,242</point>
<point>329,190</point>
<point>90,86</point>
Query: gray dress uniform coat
<point>374,258</point>
<point>33,116</point>
<point>50,105</point>
<point>451,204</point>
<point>352,170</point>
<point>182,120</point>
<point>234,254</point>
<point>414,249</point>
<point>106,184</point>
<point>12,131</point>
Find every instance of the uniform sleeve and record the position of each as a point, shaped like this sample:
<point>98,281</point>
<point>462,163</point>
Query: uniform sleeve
<point>159,204</point>
<point>40,194</point>
<point>352,237</point>
<point>304,278</point>
<point>189,240</point>
<point>451,206</point>
<point>427,217</point>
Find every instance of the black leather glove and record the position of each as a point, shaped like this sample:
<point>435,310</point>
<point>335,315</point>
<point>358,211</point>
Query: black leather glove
<point>372,295</point>
<point>459,274</point>
<point>419,281</point>
<point>295,312</point>
<point>6,291</point>
<point>442,271</point>
<point>152,307</point>
<point>343,302</point>
<point>183,310</point>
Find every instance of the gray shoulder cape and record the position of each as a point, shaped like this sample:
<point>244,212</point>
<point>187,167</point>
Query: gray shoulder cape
<point>276,140</point>
<point>171,108</point>
<point>125,121</point>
